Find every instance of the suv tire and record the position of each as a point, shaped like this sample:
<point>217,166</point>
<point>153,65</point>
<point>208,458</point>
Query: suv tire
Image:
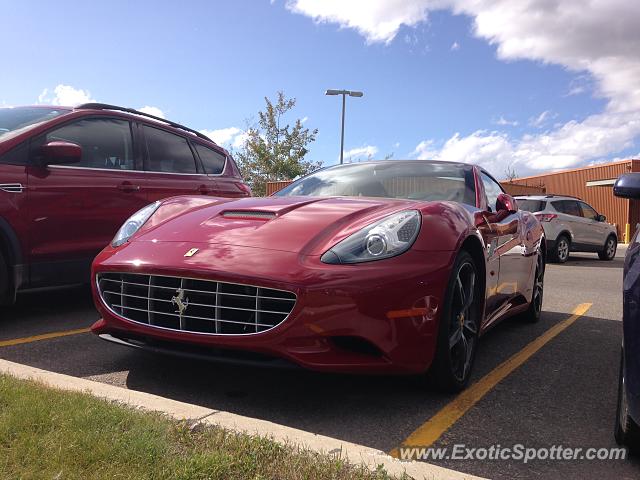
<point>4,279</point>
<point>609,250</point>
<point>560,253</point>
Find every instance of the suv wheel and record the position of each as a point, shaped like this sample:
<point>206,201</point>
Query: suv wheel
<point>4,279</point>
<point>561,249</point>
<point>609,250</point>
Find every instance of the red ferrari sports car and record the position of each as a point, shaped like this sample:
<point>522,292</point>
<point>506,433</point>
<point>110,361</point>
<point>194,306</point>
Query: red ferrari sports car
<point>377,267</point>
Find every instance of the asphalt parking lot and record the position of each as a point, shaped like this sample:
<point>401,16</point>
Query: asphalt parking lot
<point>562,394</point>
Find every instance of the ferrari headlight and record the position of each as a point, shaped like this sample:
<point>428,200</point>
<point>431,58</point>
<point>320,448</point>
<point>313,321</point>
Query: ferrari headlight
<point>133,224</point>
<point>389,237</point>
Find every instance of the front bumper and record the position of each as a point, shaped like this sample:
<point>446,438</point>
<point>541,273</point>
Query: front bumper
<point>376,317</point>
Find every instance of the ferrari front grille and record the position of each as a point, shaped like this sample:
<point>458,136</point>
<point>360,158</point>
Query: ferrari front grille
<point>194,305</point>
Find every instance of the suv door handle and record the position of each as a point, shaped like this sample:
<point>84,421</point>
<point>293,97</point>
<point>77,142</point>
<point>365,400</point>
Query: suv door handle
<point>128,187</point>
<point>203,189</point>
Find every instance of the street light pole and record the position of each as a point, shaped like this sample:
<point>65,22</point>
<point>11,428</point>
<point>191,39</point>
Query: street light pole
<point>344,94</point>
<point>344,103</point>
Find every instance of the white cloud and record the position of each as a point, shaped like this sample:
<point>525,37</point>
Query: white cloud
<point>504,122</point>
<point>377,21</point>
<point>541,120</point>
<point>598,38</point>
<point>228,137</point>
<point>155,111</point>
<point>455,46</point>
<point>360,153</point>
<point>65,95</point>
<point>492,150</point>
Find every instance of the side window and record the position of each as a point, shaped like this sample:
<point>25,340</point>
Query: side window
<point>105,142</point>
<point>168,152</point>
<point>569,207</point>
<point>492,189</point>
<point>588,211</point>
<point>213,161</point>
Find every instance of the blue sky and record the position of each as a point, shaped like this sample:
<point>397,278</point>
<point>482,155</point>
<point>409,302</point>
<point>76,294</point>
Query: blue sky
<point>437,82</point>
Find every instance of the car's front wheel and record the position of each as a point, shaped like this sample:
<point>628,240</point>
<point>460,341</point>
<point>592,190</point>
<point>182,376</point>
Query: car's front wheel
<point>458,328</point>
<point>532,314</point>
<point>609,250</point>
<point>626,430</point>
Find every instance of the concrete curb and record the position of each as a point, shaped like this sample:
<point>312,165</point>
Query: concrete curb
<point>356,454</point>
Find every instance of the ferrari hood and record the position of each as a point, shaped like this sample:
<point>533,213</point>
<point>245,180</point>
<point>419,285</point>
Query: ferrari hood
<point>305,225</point>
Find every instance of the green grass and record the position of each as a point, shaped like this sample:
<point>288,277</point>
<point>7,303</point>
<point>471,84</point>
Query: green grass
<point>51,434</point>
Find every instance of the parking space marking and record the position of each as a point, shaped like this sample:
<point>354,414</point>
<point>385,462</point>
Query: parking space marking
<point>429,432</point>
<point>44,336</point>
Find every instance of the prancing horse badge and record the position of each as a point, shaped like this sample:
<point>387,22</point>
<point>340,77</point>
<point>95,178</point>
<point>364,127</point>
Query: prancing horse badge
<point>191,252</point>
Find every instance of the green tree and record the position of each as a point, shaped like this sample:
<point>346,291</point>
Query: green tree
<point>275,150</point>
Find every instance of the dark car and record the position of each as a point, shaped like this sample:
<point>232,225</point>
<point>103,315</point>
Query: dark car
<point>379,267</point>
<point>627,429</point>
<point>69,177</point>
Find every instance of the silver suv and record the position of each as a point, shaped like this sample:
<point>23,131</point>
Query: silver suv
<point>571,225</point>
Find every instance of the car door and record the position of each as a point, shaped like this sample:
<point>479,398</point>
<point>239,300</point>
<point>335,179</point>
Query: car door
<point>596,232</point>
<point>571,214</point>
<point>507,245</point>
<point>171,166</point>
<point>13,196</point>
<point>75,210</point>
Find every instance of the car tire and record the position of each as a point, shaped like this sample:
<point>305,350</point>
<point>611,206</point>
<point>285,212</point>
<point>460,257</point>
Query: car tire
<point>626,432</point>
<point>4,279</point>
<point>560,253</point>
<point>532,314</point>
<point>609,250</point>
<point>458,328</point>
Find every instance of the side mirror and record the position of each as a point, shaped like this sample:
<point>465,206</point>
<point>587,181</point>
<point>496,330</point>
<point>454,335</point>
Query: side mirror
<point>601,218</point>
<point>55,153</point>
<point>506,203</point>
<point>627,186</point>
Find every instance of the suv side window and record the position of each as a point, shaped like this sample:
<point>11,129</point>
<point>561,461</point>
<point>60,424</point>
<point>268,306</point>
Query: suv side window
<point>168,153</point>
<point>569,207</point>
<point>105,142</point>
<point>212,161</point>
<point>492,189</point>
<point>588,211</point>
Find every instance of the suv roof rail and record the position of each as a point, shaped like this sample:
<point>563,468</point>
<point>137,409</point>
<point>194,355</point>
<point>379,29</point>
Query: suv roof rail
<point>568,196</point>
<point>106,106</point>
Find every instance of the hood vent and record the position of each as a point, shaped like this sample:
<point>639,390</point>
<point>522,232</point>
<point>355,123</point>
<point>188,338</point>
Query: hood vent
<point>249,214</point>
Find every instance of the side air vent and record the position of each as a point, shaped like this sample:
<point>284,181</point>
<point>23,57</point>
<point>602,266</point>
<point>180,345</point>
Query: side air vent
<point>250,214</point>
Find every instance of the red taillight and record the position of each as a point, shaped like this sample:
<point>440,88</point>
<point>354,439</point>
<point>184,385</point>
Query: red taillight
<point>545,217</point>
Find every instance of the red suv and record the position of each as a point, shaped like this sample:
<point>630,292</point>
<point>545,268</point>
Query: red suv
<point>69,178</point>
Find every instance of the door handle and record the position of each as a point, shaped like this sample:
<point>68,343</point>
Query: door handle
<point>203,189</point>
<point>128,187</point>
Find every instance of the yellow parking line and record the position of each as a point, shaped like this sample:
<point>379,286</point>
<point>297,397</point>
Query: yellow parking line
<point>44,336</point>
<point>428,433</point>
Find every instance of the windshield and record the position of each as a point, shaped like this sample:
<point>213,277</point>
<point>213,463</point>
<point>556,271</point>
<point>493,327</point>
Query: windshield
<point>19,118</point>
<point>531,205</point>
<point>412,180</point>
